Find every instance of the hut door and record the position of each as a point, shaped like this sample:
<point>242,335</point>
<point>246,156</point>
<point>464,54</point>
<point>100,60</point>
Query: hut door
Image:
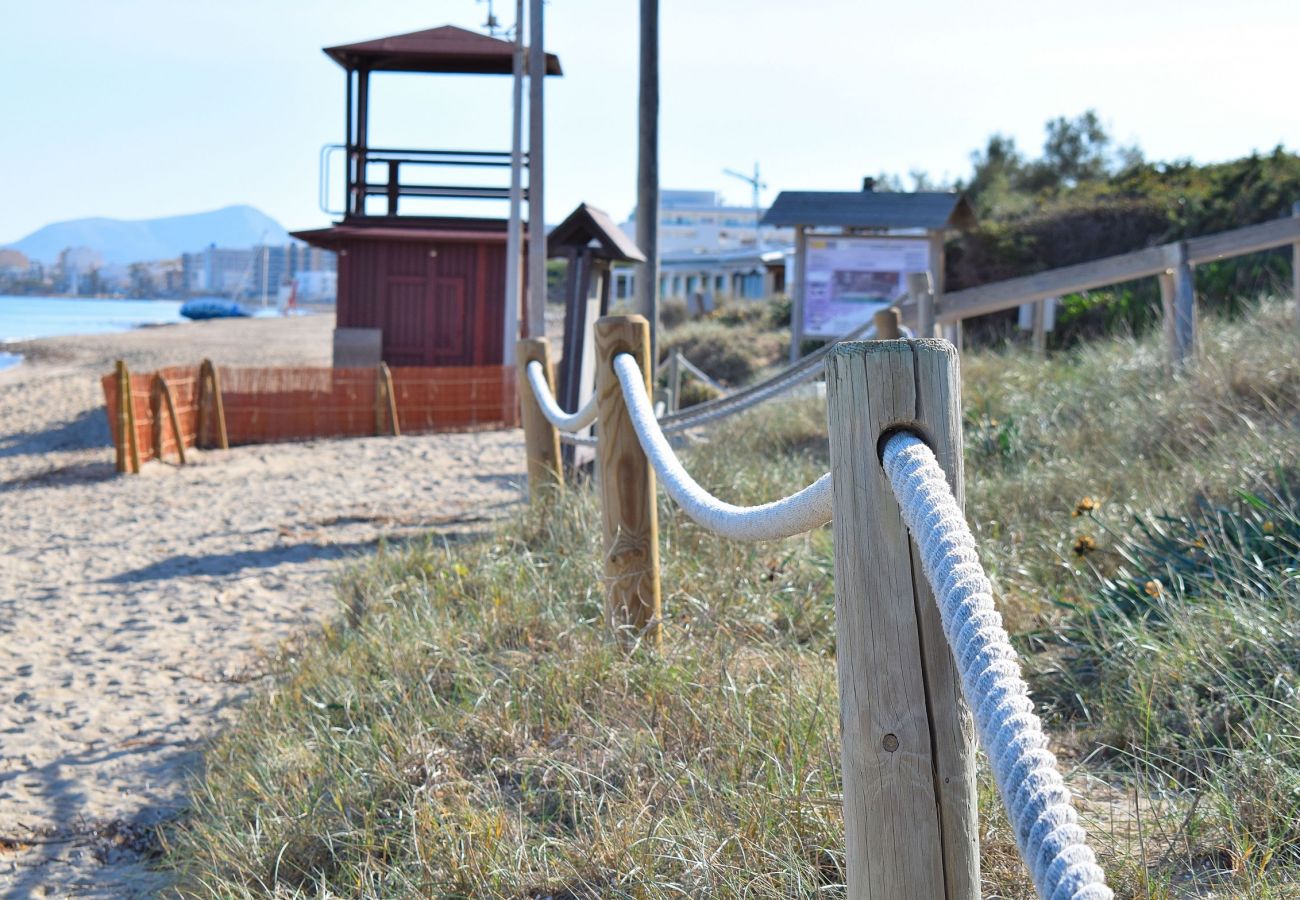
<point>448,344</point>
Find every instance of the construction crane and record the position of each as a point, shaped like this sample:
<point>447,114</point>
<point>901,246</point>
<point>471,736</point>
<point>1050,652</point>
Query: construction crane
<point>758,186</point>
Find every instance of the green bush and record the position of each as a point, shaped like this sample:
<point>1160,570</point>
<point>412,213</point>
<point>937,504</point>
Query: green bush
<point>732,354</point>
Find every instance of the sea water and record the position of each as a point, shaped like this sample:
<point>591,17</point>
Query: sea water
<point>28,318</point>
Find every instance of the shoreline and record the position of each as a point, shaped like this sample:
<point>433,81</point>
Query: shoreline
<point>142,609</point>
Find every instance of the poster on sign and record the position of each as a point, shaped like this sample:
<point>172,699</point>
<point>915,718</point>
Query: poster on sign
<point>847,279</point>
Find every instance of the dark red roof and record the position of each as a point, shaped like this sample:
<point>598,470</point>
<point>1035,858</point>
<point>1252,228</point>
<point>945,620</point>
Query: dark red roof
<point>445,49</point>
<point>447,229</point>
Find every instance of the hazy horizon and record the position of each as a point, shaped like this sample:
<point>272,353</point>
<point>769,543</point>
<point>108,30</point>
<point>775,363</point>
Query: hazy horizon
<point>145,109</point>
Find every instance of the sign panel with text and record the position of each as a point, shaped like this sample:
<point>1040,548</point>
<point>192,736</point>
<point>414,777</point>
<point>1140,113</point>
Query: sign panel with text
<point>847,279</point>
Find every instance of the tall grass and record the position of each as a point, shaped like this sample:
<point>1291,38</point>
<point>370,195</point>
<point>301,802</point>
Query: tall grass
<point>468,730</point>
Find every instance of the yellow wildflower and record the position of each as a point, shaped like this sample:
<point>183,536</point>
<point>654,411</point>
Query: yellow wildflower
<point>1084,544</point>
<point>1268,527</point>
<point>1154,588</point>
<point>1085,507</point>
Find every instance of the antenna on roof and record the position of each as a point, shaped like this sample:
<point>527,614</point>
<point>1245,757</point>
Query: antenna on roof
<point>758,186</point>
<point>492,25</point>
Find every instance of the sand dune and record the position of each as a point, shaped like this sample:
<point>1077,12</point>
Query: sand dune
<point>134,611</point>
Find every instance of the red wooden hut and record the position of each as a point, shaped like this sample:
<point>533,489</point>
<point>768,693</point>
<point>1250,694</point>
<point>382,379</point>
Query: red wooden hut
<point>416,290</point>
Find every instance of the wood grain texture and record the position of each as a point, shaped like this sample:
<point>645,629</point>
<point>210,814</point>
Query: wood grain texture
<point>1166,282</point>
<point>212,408</point>
<point>160,394</point>
<point>911,827</point>
<point>627,489</point>
<point>920,296</point>
<point>385,402</point>
<point>123,401</point>
<point>541,439</point>
<point>1184,308</point>
<point>888,324</point>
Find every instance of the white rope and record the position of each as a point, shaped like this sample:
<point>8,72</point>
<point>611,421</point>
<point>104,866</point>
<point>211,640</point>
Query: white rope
<point>1051,840</point>
<point>793,515</point>
<point>546,402</point>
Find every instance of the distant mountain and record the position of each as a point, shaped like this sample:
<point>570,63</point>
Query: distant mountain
<point>120,241</point>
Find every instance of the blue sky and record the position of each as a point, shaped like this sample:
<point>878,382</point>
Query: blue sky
<point>141,108</point>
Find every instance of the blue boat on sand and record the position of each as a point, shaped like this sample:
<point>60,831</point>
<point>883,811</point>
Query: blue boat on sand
<point>213,309</point>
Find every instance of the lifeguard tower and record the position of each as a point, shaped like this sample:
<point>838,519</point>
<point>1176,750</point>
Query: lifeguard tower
<point>416,289</point>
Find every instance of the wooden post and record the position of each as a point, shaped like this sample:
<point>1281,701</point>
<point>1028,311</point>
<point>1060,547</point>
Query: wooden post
<point>918,288</point>
<point>541,440</point>
<point>159,394</point>
<point>123,381</point>
<point>675,381</point>
<point>211,404</point>
<point>797,293</point>
<point>627,489</point>
<point>1038,321</point>
<point>911,826</point>
<point>1184,308</point>
<point>1295,267</point>
<point>888,325</point>
<point>1166,281</point>
<point>385,402</point>
<point>128,397</point>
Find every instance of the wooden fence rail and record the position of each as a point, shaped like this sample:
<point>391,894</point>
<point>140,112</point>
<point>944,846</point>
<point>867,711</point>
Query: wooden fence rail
<point>1175,262</point>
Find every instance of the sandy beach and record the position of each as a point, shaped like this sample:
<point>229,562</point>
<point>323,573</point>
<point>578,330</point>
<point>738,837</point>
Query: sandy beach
<point>136,611</point>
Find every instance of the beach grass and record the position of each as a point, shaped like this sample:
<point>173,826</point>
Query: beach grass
<point>468,729</point>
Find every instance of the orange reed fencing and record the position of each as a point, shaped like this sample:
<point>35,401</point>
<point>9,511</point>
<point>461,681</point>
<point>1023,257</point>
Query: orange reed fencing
<point>203,406</point>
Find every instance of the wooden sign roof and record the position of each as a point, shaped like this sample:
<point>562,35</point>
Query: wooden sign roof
<point>931,210</point>
<point>445,49</point>
<point>587,224</point>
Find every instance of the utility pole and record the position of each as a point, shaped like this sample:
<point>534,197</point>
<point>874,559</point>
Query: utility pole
<point>536,200</point>
<point>514,229</point>
<point>647,174</point>
<point>758,186</point>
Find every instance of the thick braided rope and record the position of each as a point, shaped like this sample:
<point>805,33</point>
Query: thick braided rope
<point>793,515</point>
<point>546,402</point>
<point>1051,840</point>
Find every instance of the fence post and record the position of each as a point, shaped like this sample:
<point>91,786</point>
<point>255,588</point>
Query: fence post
<point>1295,268</point>
<point>888,326</point>
<point>1166,282</point>
<point>918,288</point>
<point>160,392</point>
<point>675,381</point>
<point>908,751</point>
<point>627,489</point>
<point>123,382</point>
<point>210,390</point>
<point>541,440</point>
<point>385,402</point>
<point>1184,307</point>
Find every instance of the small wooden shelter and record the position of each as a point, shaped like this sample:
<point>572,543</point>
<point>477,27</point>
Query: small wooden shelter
<point>591,243</point>
<point>417,290</point>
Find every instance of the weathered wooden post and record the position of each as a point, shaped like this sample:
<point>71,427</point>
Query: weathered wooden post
<point>1184,283</point>
<point>1295,267</point>
<point>541,440</point>
<point>888,326</point>
<point>1038,323</point>
<point>1166,282</point>
<point>211,405</point>
<point>908,751</point>
<point>125,427</point>
<point>918,288</point>
<point>675,381</point>
<point>161,393</point>
<point>627,489</point>
<point>385,402</point>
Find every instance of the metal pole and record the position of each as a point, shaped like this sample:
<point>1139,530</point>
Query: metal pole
<point>514,230</point>
<point>536,170</point>
<point>647,173</point>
